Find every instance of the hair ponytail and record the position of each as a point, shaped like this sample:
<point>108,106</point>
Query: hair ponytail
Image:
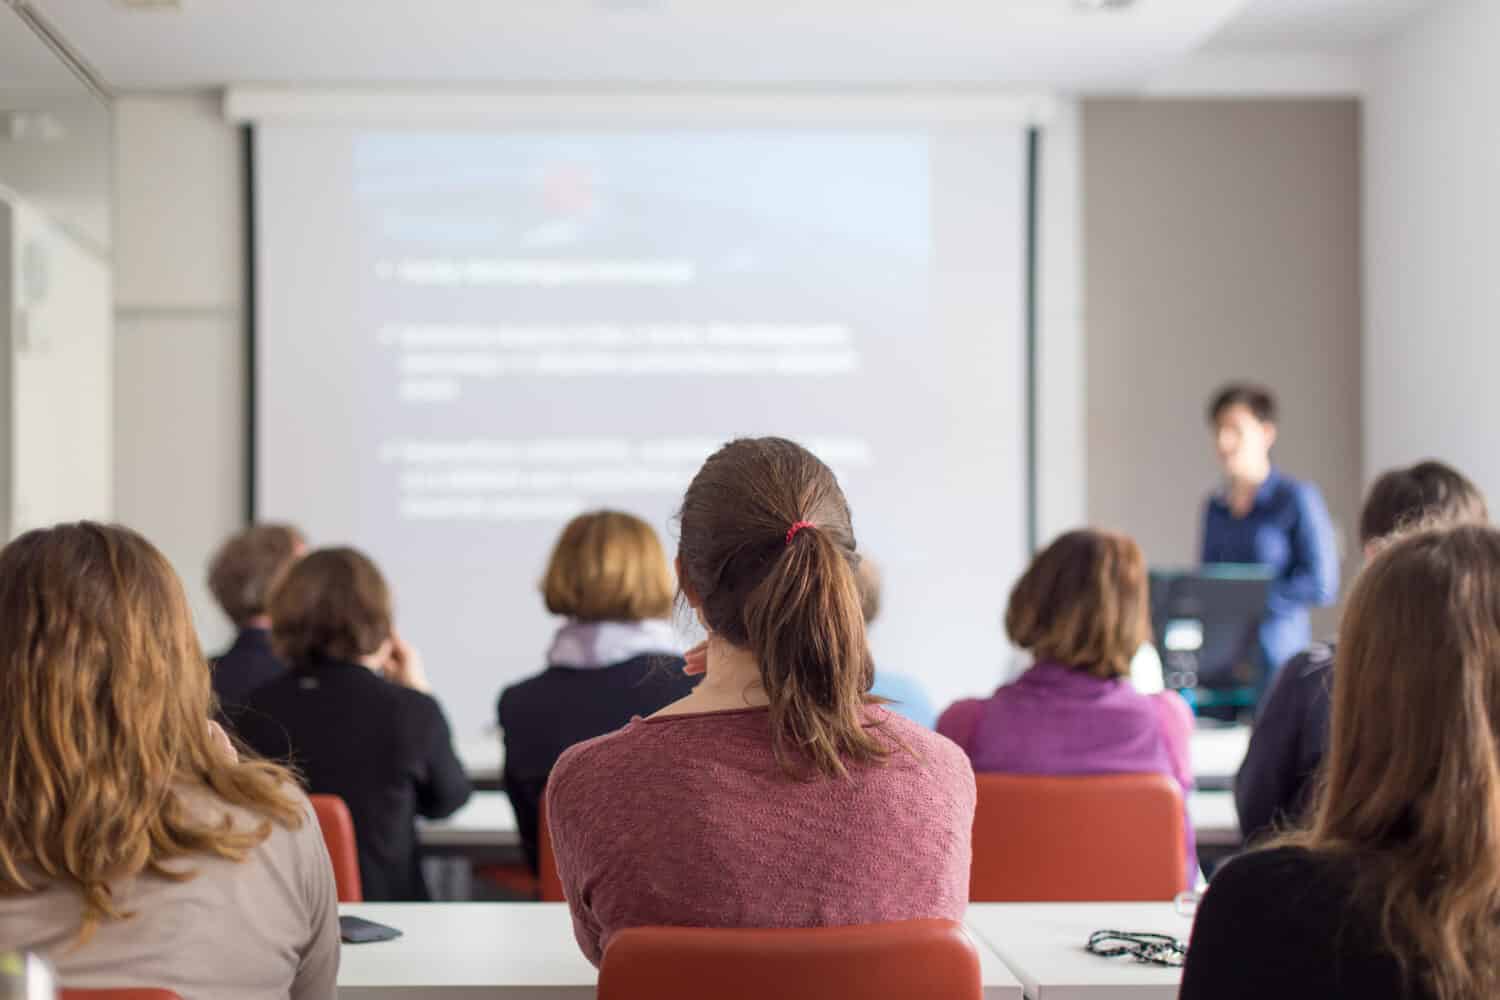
<point>768,550</point>
<point>807,631</point>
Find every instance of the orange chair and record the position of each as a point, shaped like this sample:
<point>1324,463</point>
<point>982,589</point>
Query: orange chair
<point>549,882</point>
<point>338,834</point>
<point>910,960</point>
<point>1085,838</point>
<point>121,994</point>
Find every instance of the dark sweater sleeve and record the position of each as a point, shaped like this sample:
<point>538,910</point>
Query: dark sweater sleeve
<point>1268,782</point>
<point>444,785</point>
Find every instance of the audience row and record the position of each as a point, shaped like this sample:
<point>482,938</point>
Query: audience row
<point>755,780</point>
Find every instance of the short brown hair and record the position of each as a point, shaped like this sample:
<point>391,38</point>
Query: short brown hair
<point>243,570</point>
<point>332,604</point>
<point>608,566</point>
<point>1084,603</point>
<point>1255,398</point>
<point>1426,494</point>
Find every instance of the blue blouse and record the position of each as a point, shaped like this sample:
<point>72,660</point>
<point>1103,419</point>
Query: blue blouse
<point>1288,531</point>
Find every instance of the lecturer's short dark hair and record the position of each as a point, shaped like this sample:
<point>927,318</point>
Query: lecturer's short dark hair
<point>1255,398</point>
<point>1427,494</point>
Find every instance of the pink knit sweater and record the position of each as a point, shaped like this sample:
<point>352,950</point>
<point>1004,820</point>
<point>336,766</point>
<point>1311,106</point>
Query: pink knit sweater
<point>688,820</point>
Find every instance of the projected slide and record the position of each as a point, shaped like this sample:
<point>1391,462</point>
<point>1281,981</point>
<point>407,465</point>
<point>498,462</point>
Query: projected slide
<point>465,338</point>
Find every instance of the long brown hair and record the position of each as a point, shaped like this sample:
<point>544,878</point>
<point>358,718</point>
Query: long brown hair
<point>104,709</point>
<point>1084,602</point>
<point>790,598</point>
<point>1411,788</point>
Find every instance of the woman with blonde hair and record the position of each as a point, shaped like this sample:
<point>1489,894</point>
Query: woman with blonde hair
<point>132,835</point>
<point>614,657</point>
<point>1393,888</point>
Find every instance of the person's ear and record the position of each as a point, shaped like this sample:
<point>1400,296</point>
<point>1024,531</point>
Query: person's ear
<point>1270,435</point>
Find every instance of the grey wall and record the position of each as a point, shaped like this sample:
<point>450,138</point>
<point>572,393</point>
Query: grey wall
<point>1221,241</point>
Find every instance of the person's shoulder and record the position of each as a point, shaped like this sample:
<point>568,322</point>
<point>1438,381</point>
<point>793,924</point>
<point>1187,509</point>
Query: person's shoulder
<point>1280,884</point>
<point>1313,662</point>
<point>927,744</point>
<point>1297,490</point>
<point>413,704</point>
<point>515,698</point>
<point>596,759</point>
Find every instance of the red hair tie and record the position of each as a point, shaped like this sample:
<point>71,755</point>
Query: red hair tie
<point>792,531</point>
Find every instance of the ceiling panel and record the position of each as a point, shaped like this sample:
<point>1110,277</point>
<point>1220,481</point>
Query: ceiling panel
<point>467,42</point>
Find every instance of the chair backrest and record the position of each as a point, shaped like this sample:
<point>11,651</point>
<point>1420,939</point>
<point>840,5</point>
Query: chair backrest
<point>910,960</point>
<point>549,882</point>
<point>1077,838</point>
<point>338,834</point>
<point>120,994</point>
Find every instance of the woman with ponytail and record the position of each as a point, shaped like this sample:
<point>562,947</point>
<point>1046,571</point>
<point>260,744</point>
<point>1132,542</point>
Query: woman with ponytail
<point>778,793</point>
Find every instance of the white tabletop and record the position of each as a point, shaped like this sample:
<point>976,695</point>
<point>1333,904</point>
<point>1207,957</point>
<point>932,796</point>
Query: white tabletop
<point>482,757</point>
<point>519,951</point>
<point>522,951</point>
<point>1043,943</point>
<point>1215,819</point>
<point>1218,752</point>
<point>486,820</point>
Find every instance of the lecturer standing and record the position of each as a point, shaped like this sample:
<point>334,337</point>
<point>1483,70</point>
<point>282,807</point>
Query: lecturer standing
<point>1263,517</point>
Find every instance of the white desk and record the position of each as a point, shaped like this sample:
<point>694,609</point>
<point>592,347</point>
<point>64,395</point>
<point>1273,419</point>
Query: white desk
<point>1217,754</point>
<point>1043,943</point>
<point>483,759</point>
<point>1215,819</point>
<point>515,951</point>
<point>518,951</point>
<point>485,821</point>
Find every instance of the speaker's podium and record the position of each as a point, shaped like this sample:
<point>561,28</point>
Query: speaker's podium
<point>1207,624</point>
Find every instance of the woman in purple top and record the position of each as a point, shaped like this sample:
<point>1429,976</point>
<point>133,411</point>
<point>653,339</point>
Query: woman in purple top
<point>1082,611</point>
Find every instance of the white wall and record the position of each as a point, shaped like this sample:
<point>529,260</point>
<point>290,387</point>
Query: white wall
<point>180,374</point>
<point>1432,244</point>
<point>57,335</point>
<point>1222,241</point>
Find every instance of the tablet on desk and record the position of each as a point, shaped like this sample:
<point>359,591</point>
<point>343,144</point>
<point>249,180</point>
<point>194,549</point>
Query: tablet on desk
<point>356,930</point>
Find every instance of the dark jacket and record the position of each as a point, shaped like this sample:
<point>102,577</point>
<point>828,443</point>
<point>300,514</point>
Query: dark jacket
<point>544,715</point>
<point>243,667</point>
<point>382,748</point>
<point>1287,745</point>
<point>1287,924</point>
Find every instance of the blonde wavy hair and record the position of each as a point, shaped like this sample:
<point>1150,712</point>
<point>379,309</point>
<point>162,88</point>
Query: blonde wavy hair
<point>1410,791</point>
<point>104,723</point>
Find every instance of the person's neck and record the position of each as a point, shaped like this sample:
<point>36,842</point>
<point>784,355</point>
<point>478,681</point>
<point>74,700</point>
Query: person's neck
<point>1244,484</point>
<point>732,681</point>
<point>1250,478</point>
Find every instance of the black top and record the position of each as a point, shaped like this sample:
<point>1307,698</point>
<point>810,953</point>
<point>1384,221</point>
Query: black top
<point>243,667</point>
<point>544,715</point>
<point>1283,924</point>
<point>384,749</point>
<point>1287,745</point>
